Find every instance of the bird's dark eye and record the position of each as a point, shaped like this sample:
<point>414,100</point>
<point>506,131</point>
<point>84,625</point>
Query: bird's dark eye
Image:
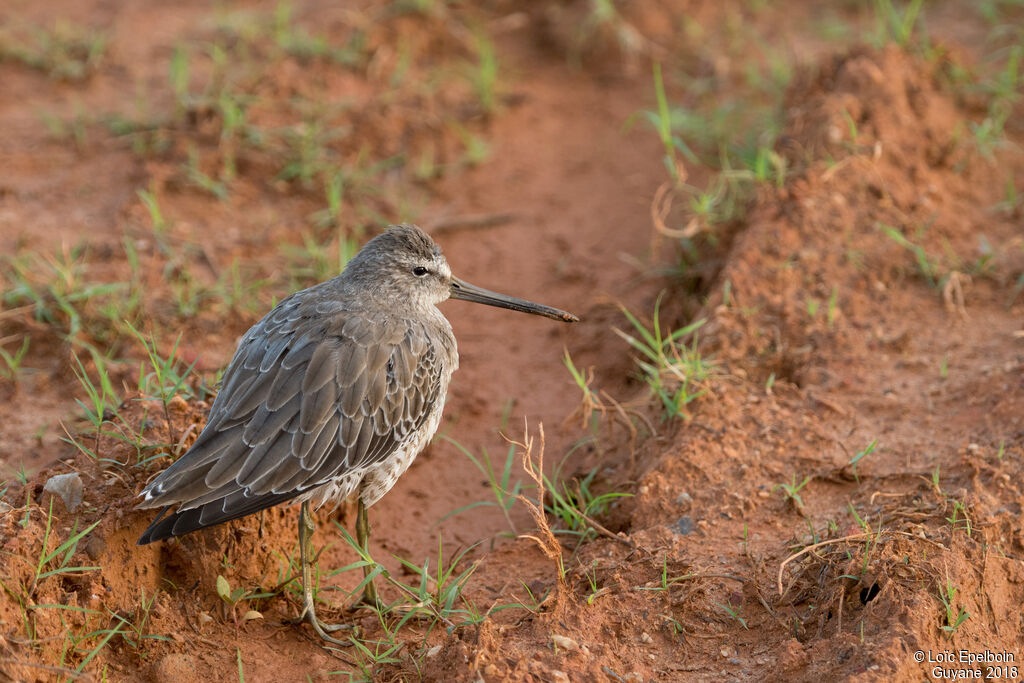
<point>419,271</point>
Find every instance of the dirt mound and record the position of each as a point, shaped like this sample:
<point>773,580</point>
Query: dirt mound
<point>861,305</point>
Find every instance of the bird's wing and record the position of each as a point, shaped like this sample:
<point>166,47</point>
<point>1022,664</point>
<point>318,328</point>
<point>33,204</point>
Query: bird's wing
<point>306,399</point>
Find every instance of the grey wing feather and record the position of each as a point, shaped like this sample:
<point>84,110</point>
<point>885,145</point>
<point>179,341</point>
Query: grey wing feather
<point>305,399</point>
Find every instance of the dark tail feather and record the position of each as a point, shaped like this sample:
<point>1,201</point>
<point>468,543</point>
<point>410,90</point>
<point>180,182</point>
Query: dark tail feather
<point>213,513</point>
<point>148,535</point>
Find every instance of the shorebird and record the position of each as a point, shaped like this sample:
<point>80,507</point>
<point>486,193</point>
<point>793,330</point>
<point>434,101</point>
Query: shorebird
<point>333,392</point>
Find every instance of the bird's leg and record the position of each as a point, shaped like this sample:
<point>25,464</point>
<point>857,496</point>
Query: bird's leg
<point>363,537</point>
<point>308,614</point>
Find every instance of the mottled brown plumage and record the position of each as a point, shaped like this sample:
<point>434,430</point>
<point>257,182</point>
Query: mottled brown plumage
<point>320,392</point>
<point>336,390</point>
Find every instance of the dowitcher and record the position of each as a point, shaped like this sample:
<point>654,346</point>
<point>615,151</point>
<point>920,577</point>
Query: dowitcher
<point>333,392</point>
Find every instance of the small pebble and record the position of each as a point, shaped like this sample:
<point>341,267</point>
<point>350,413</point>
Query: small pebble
<point>565,643</point>
<point>67,487</point>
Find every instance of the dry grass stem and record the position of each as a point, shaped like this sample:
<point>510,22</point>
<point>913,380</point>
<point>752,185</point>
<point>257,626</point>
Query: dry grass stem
<point>545,540</point>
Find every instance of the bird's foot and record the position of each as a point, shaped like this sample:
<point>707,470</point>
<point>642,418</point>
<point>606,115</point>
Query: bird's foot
<point>308,616</point>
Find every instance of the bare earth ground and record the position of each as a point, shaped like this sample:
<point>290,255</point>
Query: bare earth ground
<point>850,462</point>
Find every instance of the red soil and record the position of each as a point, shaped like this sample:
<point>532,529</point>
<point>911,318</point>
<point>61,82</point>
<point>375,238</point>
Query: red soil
<point>824,335</point>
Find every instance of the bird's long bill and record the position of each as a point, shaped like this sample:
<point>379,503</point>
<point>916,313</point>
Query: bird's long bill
<point>467,292</point>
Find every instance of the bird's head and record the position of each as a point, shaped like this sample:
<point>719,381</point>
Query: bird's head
<point>405,269</point>
<point>402,267</point>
